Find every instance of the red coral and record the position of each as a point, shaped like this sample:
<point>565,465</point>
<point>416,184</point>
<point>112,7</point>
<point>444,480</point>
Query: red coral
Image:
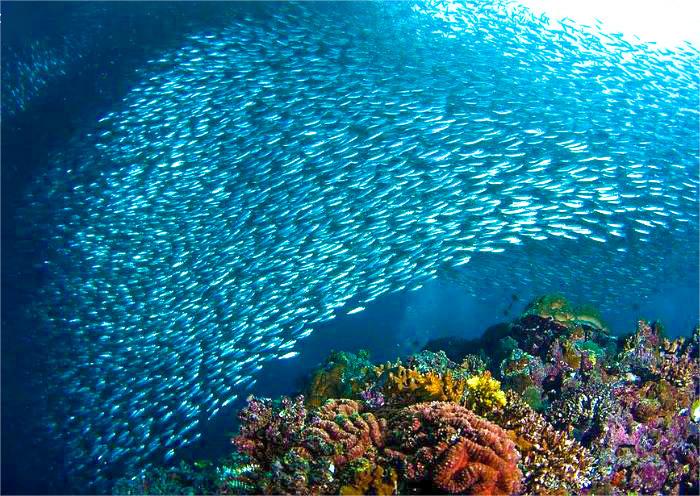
<point>457,450</point>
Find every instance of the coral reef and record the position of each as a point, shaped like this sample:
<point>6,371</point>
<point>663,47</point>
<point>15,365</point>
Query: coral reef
<point>298,451</point>
<point>551,403</point>
<point>483,394</point>
<point>406,386</point>
<point>369,478</point>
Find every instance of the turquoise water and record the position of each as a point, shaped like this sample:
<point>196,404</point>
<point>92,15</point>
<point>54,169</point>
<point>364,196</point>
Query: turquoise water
<point>185,207</point>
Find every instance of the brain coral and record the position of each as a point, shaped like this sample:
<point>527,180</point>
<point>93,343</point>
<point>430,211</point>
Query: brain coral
<point>453,449</point>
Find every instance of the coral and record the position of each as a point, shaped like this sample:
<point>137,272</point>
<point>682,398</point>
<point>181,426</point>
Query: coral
<point>648,451</point>
<point>297,453</point>
<point>584,408</point>
<point>557,308</point>
<point>581,414</point>
<point>521,371</point>
<point>369,478</point>
<point>649,355</point>
<point>483,394</point>
<point>453,449</point>
<point>640,353</point>
<point>428,361</point>
<point>552,461</point>
<point>268,429</point>
<point>351,434</point>
<point>405,386</point>
<point>372,398</point>
<point>554,306</point>
<point>472,365</point>
<point>535,334</point>
<point>342,376</point>
<point>533,397</point>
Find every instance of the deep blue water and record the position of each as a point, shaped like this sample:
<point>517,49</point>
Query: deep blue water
<point>114,40</point>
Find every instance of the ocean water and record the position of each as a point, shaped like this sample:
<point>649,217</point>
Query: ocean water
<point>200,201</point>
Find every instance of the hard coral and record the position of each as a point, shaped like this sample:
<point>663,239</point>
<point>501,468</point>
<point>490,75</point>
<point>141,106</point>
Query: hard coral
<point>268,429</point>
<point>299,452</point>
<point>370,478</point>
<point>483,394</point>
<point>552,461</point>
<point>351,434</point>
<point>585,408</point>
<point>342,376</point>
<point>454,450</point>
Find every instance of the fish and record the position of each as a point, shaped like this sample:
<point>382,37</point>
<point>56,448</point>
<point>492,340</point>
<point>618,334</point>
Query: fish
<point>276,172</point>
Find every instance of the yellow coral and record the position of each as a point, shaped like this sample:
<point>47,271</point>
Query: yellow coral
<point>483,394</point>
<point>405,385</point>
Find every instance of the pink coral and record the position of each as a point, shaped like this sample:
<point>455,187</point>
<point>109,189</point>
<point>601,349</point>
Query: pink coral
<point>352,434</point>
<point>457,450</point>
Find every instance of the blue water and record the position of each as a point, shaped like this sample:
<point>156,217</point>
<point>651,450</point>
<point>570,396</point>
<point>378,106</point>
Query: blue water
<point>65,66</point>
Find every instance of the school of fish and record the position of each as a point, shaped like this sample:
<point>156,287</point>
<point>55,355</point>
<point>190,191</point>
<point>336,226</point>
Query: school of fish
<point>266,176</point>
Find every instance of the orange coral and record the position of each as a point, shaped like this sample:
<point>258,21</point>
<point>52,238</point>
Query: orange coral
<point>405,386</point>
<point>456,450</point>
<point>371,479</point>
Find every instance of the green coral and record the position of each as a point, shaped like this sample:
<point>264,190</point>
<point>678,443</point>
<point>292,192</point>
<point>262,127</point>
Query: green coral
<point>342,376</point>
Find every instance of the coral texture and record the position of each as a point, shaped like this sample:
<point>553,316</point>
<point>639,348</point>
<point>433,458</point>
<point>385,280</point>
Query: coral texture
<point>453,449</point>
<point>552,461</point>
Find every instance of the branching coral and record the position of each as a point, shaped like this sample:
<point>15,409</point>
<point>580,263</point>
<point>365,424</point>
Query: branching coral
<point>453,449</point>
<point>552,461</point>
<point>405,386</point>
<point>483,394</point>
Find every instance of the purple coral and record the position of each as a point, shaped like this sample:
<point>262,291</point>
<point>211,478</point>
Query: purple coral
<point>372,398</point>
